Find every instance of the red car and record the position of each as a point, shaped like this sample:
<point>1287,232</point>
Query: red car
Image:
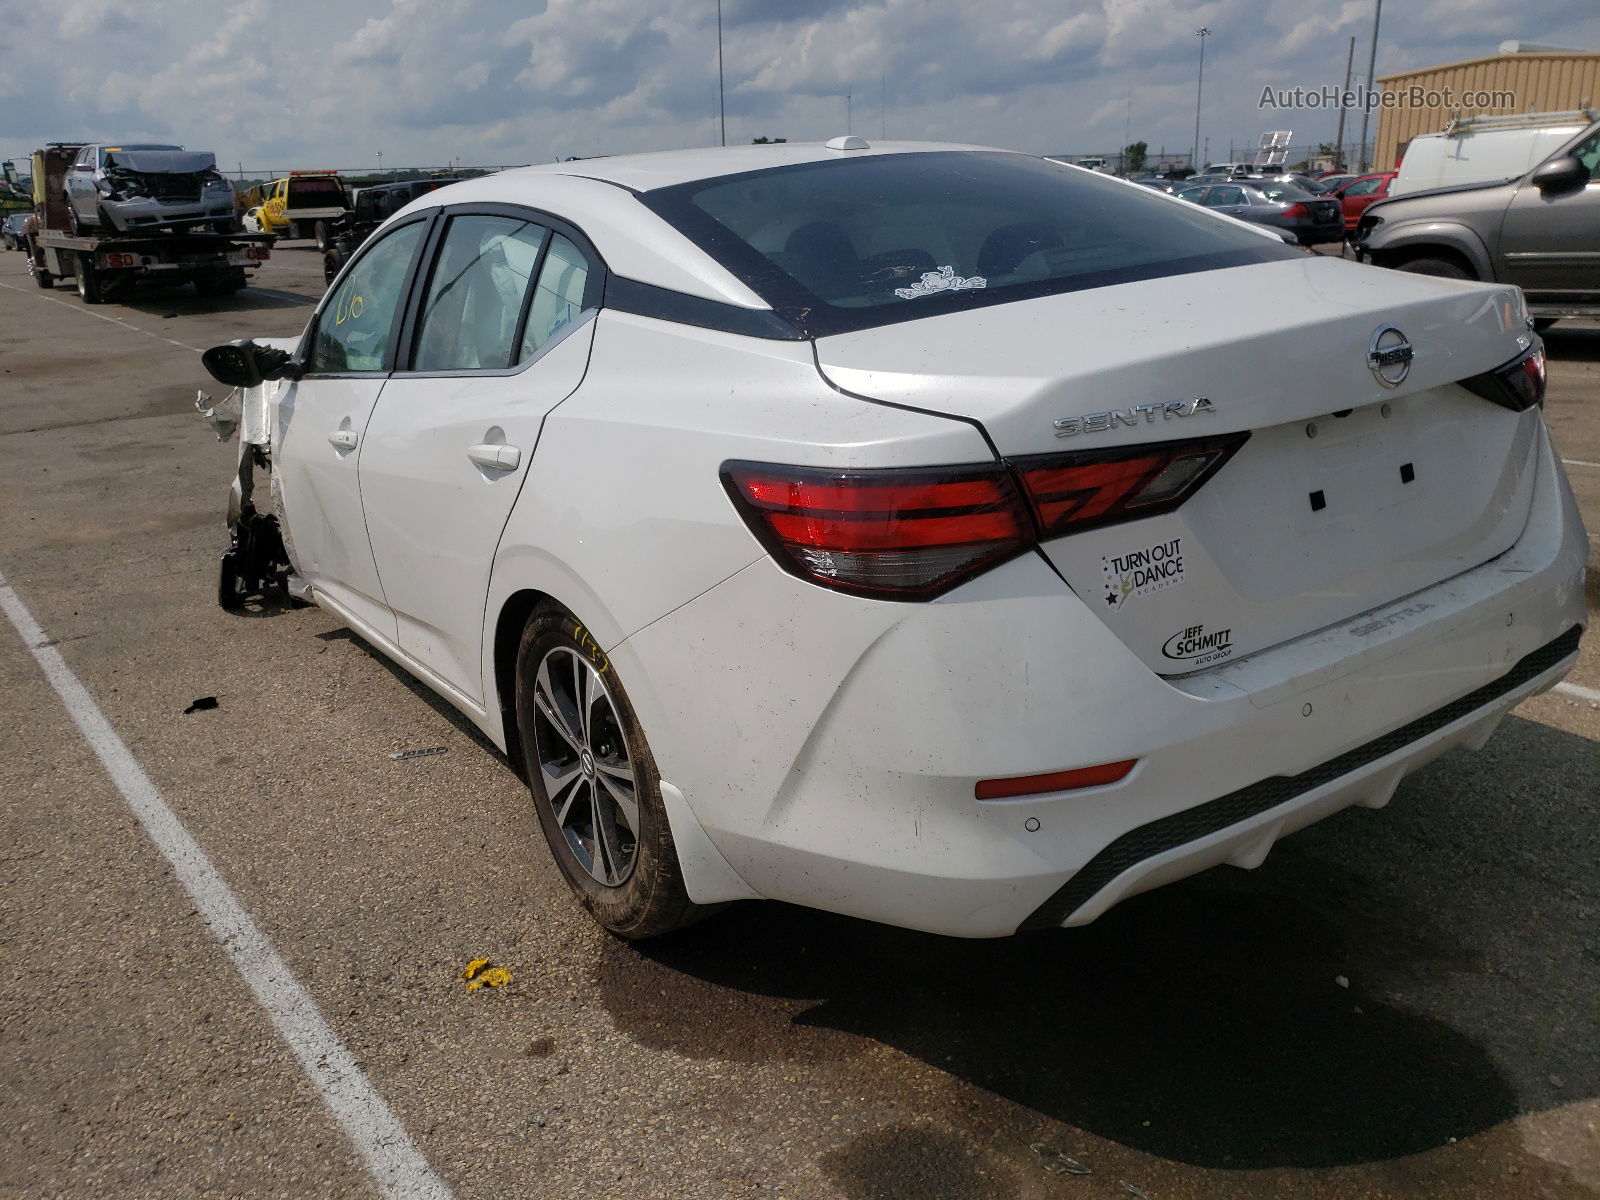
<point>1361,191</point>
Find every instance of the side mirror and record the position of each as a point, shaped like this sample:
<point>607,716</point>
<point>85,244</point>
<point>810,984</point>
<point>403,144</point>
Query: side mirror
<point>1564,174</point>
<point>233,364</point>
<point>244,364</point>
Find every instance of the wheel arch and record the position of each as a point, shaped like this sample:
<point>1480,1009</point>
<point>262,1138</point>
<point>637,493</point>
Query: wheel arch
<point>1434,239</point>
<point>708,876</point>
<point>519,584</point>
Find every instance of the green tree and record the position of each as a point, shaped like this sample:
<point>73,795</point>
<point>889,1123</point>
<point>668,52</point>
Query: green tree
<point>1333,153</point>
<point>766,141</point>
<point>1133,156</point>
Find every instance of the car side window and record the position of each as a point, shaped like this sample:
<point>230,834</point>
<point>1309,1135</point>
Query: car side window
<point>477,292</point>
<point>1364,188</point>
<point>558,298</point>
<point>356,326</point>
<point>1217,197</point>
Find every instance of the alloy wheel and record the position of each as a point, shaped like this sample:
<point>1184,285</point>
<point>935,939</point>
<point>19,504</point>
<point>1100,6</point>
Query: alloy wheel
<point>588,775</point>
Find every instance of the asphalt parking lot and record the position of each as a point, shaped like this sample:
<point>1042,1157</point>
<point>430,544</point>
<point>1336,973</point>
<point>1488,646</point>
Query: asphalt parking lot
<point>1396,1004</point>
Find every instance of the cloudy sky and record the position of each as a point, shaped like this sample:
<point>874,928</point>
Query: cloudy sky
<point>277,84</point>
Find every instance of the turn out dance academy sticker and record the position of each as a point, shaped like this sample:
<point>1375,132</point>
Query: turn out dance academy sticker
<point>1140,572</point>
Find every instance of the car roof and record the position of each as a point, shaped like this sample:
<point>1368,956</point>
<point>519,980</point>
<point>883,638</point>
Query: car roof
<point>666,168</point>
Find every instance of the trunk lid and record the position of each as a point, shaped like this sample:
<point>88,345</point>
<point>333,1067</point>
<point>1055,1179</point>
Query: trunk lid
<point>1347,495</point>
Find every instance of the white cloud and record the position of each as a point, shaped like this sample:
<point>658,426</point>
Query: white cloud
<point>429,80</point>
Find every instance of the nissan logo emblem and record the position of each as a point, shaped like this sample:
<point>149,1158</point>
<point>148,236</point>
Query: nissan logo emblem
<point>1389,356</point>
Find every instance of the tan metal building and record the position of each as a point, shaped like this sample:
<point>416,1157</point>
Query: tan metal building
<point>1542,81</point>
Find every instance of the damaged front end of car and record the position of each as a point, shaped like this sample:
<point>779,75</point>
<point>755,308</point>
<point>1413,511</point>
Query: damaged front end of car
<point>163,187</point>
<point>257,567</point>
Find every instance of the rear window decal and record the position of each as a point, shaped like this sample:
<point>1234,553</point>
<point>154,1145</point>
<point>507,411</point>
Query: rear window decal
<point>944,279</point>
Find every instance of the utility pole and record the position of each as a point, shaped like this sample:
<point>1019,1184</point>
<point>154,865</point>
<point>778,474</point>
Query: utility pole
<point>1199,83</point>
<point>1372,86</point>
<point>883,106</point>
<point>847,98</point>
<point>722,111</point>
<point>1338,138</point>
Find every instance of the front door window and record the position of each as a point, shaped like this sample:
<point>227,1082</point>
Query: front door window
<point>356,328</point>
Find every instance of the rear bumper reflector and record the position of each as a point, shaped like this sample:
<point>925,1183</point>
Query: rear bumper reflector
<point>1192,824</point>
<point>1054,781</point>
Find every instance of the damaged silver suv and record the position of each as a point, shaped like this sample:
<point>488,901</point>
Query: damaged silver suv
<point>118,189</point>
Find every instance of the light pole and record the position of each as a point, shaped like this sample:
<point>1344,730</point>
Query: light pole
<point>1338,137</point>
<point>722,111</point>
<point>380,162</point>
<point>1372,84</point>
<point>1199,83</point>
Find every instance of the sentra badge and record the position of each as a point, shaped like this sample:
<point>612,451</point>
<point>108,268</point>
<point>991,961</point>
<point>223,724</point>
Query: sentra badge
<point>1105,422</point>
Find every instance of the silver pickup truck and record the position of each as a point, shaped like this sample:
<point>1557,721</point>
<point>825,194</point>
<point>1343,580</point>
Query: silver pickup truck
<point>1540,230</point>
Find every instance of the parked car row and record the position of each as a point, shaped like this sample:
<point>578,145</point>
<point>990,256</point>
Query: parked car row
<point>1312,219</point>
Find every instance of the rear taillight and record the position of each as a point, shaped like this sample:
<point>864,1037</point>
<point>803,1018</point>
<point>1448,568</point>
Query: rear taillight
<point>1295,210</point>
<point>1519,385</point>
<point>898,534</point>
<point>914,534</point>
<point>1084,489</point>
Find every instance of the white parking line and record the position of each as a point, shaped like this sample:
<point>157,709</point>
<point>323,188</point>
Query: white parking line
<point>1581,692</point>
<point>392,1158</point>
<point>1578,462</point>
<point>118,321</point>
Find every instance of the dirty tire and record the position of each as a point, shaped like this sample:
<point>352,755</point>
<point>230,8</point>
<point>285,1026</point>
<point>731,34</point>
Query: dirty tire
<point>556,661</point>
<point>73,225</point>
<point>89,286</point>
<point>1441,267</point>
<point>320,232</point>
<point>43,278</point>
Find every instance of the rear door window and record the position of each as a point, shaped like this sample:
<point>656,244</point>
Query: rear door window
<point>558,299</point>
<point>478,293</point>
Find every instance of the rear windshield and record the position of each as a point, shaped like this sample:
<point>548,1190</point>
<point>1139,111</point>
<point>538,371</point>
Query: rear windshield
<point>835,246</point>
<point>1284,191</point>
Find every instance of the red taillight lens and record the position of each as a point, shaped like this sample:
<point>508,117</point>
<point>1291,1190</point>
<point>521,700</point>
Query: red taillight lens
<point>896,534</point>
<point>1296,210</point>
<point>1083,489</point>
<point>1519,385</point>
<point>1056,781</point>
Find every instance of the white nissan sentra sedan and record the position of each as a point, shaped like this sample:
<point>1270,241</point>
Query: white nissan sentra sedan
<point>932,534</point>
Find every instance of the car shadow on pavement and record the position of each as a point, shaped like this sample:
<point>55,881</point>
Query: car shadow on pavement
<point>186,302</point>
<point>1567,341</point>
<point>447,711</point>
<point>1226,1021</point>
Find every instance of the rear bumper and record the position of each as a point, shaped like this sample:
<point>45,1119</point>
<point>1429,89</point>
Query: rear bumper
<point>830,745</point>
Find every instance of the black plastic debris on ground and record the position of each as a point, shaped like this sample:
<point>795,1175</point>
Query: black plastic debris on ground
<point>201,705</point>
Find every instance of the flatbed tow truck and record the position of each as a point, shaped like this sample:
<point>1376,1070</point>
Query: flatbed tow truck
<point>106,266</point>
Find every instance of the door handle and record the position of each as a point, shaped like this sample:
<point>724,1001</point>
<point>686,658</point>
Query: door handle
<point>495,456</point>
<point>344,439</point>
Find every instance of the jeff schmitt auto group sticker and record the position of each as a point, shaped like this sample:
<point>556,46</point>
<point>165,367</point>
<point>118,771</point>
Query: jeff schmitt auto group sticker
<point>1140,572</point>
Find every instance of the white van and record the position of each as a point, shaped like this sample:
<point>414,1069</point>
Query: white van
<point>1484,149</point>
